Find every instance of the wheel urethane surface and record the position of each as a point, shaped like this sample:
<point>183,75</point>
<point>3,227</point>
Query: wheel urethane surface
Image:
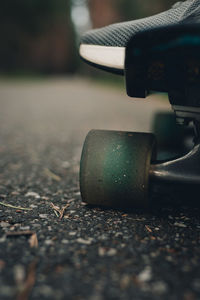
<point>115,168</point>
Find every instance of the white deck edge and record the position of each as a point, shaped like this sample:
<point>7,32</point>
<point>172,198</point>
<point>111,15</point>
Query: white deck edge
<point>112,57</point>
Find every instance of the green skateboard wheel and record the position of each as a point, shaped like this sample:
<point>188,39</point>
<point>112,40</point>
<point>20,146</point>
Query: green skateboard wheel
<point>114,168</point>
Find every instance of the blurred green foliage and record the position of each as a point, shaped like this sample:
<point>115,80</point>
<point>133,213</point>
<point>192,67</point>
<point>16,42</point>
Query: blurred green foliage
<point>32,15</point>
<point>26,25</point>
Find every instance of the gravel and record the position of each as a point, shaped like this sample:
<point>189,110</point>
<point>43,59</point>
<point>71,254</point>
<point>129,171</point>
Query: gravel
<point>89,253</point>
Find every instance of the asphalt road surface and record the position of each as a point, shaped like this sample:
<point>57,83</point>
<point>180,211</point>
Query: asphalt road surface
<point>52,245</point>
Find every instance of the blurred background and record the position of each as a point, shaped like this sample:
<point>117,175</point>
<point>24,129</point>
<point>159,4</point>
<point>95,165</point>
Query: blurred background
<point>42,37</point>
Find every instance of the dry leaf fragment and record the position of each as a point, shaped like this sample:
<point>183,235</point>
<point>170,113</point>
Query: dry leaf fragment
<point>33,241</point>
<point>148,228</point>
<point>2,264</point>
<point>61,210</point>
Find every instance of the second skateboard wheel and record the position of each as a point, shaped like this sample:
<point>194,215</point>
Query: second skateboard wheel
<point>115,168</point>
<point>168,133</point>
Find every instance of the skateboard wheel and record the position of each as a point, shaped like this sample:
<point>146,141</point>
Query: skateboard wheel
<point>114,168</point>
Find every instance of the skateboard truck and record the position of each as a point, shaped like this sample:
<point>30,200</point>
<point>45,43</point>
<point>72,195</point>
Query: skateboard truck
<point>119,168</point>
<point>168,60</point>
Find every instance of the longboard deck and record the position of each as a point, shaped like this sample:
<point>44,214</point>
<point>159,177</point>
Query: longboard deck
<point>164,59</point>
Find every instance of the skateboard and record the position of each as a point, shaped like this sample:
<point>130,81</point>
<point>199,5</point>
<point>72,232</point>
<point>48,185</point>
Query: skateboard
<point>172,139</point>
<point>118,169</point>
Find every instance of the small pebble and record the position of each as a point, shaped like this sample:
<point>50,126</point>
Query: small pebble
<point>111,252</point>
<point>72,233</point>
<point>19,274</point>
<point>65,164</point>
<point>101,251</point>
<point>85,242</point>
<point>32,194</point>
<point>179,224</point>
<point>145,275</point>
<point>48,242</point>
<point>24,228</point>
<point>125,281</point>
<point>159,287</point>
<point>33,206</point>
<point>103,237</point>
<point>43,216</point>
<point>4,224</point>
<point>77,194</point>
<point>107,252</point>
<point>65,242</point>
<point>3,239</point>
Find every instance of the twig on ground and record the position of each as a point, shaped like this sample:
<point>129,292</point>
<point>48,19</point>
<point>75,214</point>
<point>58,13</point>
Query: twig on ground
<point>57,215</point>
<point>61,211</point>
<point>56,209</point>
<point>148,228</point>
<point>15,207</point>
<point>52,175</point>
